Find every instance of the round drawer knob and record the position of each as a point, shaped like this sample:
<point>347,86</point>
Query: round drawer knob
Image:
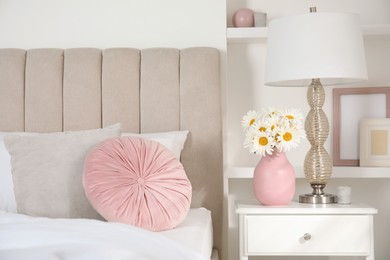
<point>306,236</point>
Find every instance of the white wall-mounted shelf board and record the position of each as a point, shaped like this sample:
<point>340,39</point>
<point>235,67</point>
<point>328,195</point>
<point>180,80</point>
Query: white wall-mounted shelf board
<point>338,172</point>
<point>257,34</point>
<point>247,34</point>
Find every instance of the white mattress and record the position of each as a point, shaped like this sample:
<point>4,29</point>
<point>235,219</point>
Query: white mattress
<point>195,232</point>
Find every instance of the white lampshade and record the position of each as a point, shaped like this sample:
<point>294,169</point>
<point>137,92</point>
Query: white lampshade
<point>328,46</point>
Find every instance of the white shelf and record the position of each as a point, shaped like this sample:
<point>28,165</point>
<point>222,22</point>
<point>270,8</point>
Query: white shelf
<point>246,34</point>
<point>256,34</point>
<point>338,172</point>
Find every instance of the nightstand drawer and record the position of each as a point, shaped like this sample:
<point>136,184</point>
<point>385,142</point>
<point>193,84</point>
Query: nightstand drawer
<point>307,234</point>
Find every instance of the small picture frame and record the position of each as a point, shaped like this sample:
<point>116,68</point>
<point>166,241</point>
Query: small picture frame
<point>375,142</point>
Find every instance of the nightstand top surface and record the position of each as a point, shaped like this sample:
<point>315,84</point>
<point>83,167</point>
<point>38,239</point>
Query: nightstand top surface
<point>255,207</point>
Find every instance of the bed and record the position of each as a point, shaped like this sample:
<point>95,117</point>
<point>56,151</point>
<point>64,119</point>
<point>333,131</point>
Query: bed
<point>149,93</point>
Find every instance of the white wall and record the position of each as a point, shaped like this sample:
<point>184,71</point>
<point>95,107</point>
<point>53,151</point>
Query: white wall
<point>112,23</point>
<point>246,90</point>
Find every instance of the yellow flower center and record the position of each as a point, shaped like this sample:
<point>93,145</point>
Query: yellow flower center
<point>262,129</point>
<point>263,141</point>
<point>252,121</point>
<point>287,137</point>
<point>290,117</point>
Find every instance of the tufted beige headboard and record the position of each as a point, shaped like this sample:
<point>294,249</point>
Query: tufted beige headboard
<point>150,90</point>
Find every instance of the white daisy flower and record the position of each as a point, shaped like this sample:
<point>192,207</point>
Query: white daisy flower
<point>287,139</point>
<point>249,119</point>
<point>274,122</point>
<point>293,115</point>
<point>263,144</point>
<point>262,125</point>
<point>269,111</point>
<point>249,136</point>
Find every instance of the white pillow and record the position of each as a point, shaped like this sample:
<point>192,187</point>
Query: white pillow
<point>7,195</point>
<point>173,140</point>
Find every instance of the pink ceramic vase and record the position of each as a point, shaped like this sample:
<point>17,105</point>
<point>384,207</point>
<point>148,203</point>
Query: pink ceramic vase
<point>274,180</point>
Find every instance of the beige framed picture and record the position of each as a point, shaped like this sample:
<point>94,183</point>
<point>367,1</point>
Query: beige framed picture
<point>375,142</point>
<point>350,105</point>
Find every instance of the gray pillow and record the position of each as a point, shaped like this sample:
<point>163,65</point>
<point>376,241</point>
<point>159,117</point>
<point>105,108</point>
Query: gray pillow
<point>47,171</point>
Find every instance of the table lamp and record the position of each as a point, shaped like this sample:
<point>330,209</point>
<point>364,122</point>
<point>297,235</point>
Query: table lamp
<point>315,49</point>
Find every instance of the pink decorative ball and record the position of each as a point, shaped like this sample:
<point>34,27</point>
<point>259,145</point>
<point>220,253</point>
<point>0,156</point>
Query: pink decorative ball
<point>243,18</point>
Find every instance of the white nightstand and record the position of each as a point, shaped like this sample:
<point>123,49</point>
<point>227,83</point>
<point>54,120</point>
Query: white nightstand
<point>306,229</point>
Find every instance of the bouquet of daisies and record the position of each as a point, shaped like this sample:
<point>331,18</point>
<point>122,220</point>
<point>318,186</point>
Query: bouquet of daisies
<point>272,130</point>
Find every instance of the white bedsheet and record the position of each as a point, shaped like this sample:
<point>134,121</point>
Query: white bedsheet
<point>28,238</point>
<point>195,232</point>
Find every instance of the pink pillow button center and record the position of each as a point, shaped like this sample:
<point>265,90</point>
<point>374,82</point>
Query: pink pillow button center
<point>141,181</point>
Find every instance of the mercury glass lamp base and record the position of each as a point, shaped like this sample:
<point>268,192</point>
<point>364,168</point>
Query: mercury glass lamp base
<point>311,198</point>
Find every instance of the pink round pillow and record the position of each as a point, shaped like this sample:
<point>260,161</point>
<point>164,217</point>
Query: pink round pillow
<point>138,182</point>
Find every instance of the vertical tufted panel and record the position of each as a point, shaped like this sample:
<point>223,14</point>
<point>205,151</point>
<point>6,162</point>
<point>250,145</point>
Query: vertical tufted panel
<point>12,62</point>
<point>160,90</point>
<point>43,90</point>
<point>82,88</point>
<point>120,88</point>
<point>200,108</point>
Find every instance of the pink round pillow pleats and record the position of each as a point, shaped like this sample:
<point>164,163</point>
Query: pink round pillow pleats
<point>138,182</point>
